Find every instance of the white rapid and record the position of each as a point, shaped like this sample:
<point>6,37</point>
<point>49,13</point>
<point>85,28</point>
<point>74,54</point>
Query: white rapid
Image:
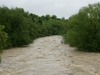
<point>48,56</point>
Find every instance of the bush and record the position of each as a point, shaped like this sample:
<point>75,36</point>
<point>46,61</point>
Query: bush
<point>84,29</point>
<point>3,38</point>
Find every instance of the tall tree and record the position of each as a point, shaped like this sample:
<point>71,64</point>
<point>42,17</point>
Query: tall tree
<point>54,17</point>
<point>3,38</point>
<point>84,28</point>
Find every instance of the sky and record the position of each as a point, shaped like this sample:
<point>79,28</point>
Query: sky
<point>60,8</point>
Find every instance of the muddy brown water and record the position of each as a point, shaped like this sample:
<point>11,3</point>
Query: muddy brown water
<point>48,56</point>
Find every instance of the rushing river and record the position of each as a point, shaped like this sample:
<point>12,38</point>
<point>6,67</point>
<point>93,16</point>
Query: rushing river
<point>48,56</point>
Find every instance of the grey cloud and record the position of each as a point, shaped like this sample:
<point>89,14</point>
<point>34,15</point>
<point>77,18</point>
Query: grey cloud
<point>61,8</point>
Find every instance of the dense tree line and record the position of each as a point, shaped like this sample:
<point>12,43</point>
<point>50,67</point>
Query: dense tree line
<point>84,29</point>
<point>3,38</point>
<point>23,27</point>
<point>19,28</point>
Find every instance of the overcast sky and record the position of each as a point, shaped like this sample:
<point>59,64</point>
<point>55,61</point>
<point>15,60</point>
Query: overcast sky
<point>60,8</point>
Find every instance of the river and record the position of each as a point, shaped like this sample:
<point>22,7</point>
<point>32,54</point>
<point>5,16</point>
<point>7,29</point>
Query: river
<point>48,56</point>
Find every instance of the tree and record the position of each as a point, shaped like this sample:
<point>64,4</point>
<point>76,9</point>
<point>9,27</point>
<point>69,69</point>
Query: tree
<point>17,24</point>
<point>19,20</point>
<point>47,17</point>
<point>54,17</point>
<point>3,38</point>
<point>84,28</point>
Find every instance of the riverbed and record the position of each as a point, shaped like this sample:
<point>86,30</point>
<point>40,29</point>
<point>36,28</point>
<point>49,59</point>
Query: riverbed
<point>48,56</point>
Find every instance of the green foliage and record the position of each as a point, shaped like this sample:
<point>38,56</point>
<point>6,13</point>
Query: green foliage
<point>3,38</point>
<point>23,27</point>
<point>81,30</point>
<point>16,21</point>
<point>84,29</point>
<point>54,17</point>
<point>46,25</point>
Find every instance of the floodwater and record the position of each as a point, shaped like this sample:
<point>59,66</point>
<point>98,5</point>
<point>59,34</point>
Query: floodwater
<point>48,56</point>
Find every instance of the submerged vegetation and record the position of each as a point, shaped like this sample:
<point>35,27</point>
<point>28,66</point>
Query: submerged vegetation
<point>82,30</point>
